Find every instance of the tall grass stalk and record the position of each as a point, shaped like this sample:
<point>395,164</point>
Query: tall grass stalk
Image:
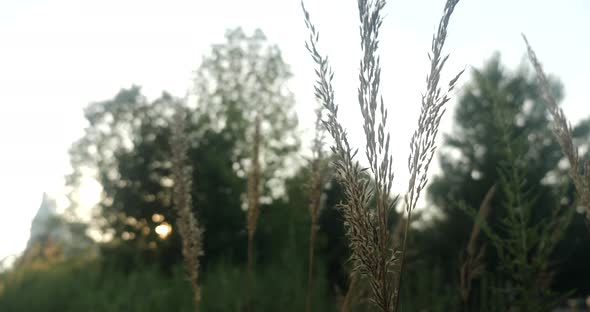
<point>347,300</point>
<point>579,170</point>
<point>367,226</point>
<point>317,183</point>
<point>253,194</point>
<point>422,144</point>
<point>472,263</point>
<point>190,230</point>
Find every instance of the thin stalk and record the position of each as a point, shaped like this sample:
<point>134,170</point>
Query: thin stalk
<point>422,144</point>
<point>347,301</point>
<point>579,170</point>
<point>190,231</point>
<point>312,235</point>
<point>253,210</point>
<point>317,181</point>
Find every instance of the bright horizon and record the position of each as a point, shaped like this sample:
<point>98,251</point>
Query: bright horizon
<point>58,56</point>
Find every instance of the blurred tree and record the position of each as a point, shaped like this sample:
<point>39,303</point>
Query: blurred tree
<point>471,155</point>
<point>241,80</point>
<point>126,148</point>
<point>54,239</point>
<point>242,87</point>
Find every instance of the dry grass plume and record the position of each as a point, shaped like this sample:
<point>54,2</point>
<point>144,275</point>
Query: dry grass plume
<point>188,225</point>
<point>579,170</point>
<point>367,226</point>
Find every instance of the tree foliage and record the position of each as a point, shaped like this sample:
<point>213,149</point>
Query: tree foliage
<point>243,79</point>
<point>473,153</point>
<point>126,148</point>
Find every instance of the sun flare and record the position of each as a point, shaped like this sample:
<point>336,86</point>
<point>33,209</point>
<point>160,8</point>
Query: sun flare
<point>163,230</point>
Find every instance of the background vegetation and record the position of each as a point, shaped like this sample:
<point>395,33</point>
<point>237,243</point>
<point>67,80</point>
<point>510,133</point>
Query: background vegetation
<point>501,137</point>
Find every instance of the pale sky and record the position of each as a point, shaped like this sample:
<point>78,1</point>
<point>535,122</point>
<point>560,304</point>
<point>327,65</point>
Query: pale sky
<point>58,56</point>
